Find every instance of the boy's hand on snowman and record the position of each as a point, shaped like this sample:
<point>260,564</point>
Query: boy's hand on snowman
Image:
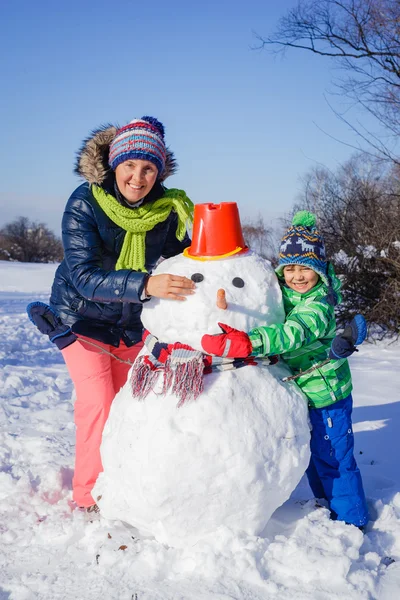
<point>172,287</point>
<point>232,343</point>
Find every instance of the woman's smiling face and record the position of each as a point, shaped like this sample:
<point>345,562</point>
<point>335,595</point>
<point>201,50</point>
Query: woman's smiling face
<point>135,178</point>
<point>300,278</point>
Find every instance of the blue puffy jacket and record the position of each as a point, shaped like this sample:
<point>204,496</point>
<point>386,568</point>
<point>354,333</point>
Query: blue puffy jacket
<point>87,293</point>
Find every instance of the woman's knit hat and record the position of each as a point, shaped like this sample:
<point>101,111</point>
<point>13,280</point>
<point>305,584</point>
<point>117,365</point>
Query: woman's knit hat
<point>141,138</point>
<point>303,245</point>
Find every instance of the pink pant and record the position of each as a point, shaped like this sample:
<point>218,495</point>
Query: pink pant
<point>97,378</point>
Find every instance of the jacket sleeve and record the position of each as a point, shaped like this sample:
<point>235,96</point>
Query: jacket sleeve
<point>172,245</point>
<point>304,324</point>
<point>83,254</point>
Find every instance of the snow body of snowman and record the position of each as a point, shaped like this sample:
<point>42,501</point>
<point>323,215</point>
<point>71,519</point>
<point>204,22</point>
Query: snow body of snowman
<point>232,456</point>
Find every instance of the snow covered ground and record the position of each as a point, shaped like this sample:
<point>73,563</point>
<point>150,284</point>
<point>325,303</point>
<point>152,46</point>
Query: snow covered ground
<point>51,550</point>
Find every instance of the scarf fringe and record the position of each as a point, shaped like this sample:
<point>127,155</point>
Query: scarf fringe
<point>188,381</point>
<point>168,377</point>
<point>183,379</point>
<point>143,378</point>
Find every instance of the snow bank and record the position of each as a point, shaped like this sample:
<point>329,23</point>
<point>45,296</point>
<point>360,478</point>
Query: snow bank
<point>26,277</point>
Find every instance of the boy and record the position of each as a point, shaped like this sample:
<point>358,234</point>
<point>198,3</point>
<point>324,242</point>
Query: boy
<point>310,291</point>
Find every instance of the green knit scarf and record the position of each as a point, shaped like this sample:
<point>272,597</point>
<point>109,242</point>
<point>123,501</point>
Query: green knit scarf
<point>139,221</point>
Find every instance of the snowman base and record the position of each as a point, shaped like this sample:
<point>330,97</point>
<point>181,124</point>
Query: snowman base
<point>231,457</point>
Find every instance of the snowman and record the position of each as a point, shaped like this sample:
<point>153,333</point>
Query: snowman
<point>194,442</point>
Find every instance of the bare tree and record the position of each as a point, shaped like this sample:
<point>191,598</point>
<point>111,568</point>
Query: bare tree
<point>358,210</point>
<point>363,36</point>
<point>27,241</point>
<point>4,252</point>
<point>259,238</point>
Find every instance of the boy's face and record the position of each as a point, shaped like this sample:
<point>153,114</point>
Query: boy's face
<point>300,278</point>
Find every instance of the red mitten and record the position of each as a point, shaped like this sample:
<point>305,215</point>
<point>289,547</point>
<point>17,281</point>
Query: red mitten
<point>231,343</point>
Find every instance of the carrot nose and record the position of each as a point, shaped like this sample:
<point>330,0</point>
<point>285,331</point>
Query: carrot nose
<point>221,299</point>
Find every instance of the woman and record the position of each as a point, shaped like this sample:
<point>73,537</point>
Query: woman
<point>115,228</point>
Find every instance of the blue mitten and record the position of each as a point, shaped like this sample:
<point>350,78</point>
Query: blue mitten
<point>344,344</point>
<point>49,323</point>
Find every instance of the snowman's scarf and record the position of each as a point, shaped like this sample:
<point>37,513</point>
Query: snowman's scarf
<point>182,368</point>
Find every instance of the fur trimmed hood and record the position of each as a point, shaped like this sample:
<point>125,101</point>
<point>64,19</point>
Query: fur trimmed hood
<point>92,158</point>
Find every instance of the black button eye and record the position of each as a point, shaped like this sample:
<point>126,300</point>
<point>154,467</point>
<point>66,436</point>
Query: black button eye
<point>238,282</point>
<point>197,277</point>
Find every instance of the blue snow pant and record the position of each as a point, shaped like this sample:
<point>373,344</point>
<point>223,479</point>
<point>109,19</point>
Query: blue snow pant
<point>333,473</point>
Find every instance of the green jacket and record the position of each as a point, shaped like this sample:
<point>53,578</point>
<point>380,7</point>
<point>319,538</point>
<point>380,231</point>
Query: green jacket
<point>304,340</point>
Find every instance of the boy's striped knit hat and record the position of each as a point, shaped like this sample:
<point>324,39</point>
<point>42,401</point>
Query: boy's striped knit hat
<point>141,138</point>
<point>303,245</point>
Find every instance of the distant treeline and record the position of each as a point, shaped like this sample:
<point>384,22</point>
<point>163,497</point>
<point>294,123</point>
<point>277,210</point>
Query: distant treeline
<point>27,241</point>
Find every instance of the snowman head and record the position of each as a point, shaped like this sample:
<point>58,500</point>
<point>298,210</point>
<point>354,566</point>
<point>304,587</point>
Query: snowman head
<point>233,285</point>
<point>241,291</point>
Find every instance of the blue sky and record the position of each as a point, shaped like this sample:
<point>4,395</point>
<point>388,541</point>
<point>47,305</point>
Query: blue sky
<point>244,125</point>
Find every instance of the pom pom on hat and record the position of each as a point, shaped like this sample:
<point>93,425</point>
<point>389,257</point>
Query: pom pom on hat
<point>141,139</point>
<point>304,218</point>
<point>156,123</point>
